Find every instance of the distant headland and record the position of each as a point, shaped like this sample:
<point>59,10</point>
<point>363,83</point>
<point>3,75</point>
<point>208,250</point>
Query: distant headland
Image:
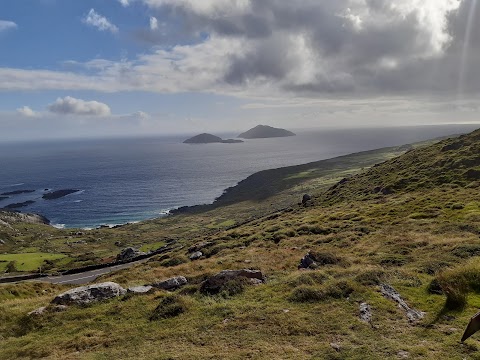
<point>210,139</point>
<point>265,131</point>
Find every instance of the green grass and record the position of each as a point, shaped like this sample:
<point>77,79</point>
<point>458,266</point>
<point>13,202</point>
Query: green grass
<point>27,261</point>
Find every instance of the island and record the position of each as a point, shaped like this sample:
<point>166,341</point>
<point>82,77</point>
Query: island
<point>58,194</point>
<point>18,192</point>
<point>265,131</point>
<point>19,205</point>
<point>210,139</point>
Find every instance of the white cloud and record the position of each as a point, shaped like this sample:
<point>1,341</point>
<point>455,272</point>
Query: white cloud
<point>153,23</point>
<point>124,3</point>
<point>26,111</point>
<point>7,25</point>
<point>100,22</point>
<point>71,106</point>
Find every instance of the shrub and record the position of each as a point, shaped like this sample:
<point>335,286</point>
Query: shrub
<point>173,261</point>
<point>370,277</point>
<point>306,293</point>
<point>170,306</point>
<point>322,258</point>
<point>456,283</point>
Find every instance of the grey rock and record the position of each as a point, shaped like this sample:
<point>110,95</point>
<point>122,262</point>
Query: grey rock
<point>129,254</point>
<point>2,242</point>
<point>171,284</point>
<point>365,313</point>
<point>196,255</point>
<point>390,293</point>
<point>306,198</point>
<point>51,308</point>
<point>39,311</point>
<point>215,283</point>
<point>87,294</point>
<point>306,262</point>
<point>146,289</point>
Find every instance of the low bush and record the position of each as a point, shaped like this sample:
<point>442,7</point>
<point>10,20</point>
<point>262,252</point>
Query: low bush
<point>456,283</point>
<point>170,306</point>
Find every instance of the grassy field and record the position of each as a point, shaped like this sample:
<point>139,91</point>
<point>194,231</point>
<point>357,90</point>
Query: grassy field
<point>27,261</point>
<point>412,222</point>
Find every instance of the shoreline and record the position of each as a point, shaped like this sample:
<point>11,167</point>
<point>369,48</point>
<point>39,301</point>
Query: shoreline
<point>259,185</point>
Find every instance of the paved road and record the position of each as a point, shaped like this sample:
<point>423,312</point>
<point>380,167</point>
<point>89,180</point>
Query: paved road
<point>86,277</point>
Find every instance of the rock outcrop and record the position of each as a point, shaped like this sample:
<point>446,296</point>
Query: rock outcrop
<point>171,284</point>
<point>58,194</point>
<point>390,293</point>
<point>196,255</point>
<point>129,254</point>
<point>139,290</point>
<point>12,217</point>
<point>84,295</point>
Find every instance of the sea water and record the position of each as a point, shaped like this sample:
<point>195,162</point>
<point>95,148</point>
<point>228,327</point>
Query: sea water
<point>128,180</point>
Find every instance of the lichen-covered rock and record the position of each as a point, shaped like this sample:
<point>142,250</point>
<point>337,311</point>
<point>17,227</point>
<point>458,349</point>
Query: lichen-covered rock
<point>87,294</point>
<point>389,292</point>
<point>140,289</point>
<point>365,312</point>
<point>172,283</point>
<point>215,283</point>
<point>196,255</point>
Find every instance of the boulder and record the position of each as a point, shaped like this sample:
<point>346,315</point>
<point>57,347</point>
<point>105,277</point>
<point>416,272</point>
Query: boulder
<point>51,308</point>
<point>171,284</point>
<point>306,198</point>
<point>306,262</point>
<point>129,254</point>
<point>365,312</point>
<point>146,289</point>
<point>215,283</point>
<point>87,294</point>
<point>196,255</point>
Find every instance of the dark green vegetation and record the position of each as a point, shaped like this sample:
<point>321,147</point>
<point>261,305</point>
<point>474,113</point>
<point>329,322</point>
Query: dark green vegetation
<point>413,222</point>
<point>265,131</point>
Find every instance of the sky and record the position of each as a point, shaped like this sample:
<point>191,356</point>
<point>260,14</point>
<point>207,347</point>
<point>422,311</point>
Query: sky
<point>71,68</point>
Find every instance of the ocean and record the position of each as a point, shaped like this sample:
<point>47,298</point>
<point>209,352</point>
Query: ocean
<point>133,179</point>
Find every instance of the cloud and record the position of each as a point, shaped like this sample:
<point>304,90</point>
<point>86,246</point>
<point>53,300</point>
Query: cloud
<point>71,106</point>
<point>153,23</point>
<point>7,25</point>
<point>26,111</point>
<point>100,22</point>
<point>124,3</point>
<point>271,48</point>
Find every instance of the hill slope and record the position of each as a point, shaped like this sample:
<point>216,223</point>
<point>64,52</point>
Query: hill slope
<point>419,236</point>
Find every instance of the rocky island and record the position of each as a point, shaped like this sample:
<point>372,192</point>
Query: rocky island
<point>17,192</point>
<point>210,139</point>
<point>58,194</point>
<point>265,131</point>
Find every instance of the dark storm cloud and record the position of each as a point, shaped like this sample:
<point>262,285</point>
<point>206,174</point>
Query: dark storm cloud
<point>369,46</point>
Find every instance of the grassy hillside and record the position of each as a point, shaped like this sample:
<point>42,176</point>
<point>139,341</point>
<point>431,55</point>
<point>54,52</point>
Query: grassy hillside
<point>412,222</point>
